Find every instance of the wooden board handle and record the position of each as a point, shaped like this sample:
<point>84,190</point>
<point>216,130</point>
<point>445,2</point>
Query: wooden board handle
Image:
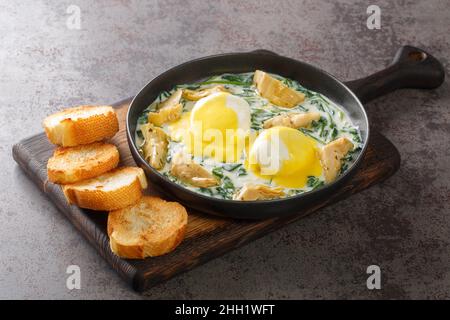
<point>411,68</point>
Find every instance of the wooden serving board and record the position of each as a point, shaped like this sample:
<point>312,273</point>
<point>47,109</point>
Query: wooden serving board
<point>207,236</point>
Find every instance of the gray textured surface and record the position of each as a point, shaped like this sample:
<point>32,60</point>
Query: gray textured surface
<point>402,225</point>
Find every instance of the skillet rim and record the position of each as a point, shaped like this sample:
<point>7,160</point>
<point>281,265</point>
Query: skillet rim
<point>323,189</point>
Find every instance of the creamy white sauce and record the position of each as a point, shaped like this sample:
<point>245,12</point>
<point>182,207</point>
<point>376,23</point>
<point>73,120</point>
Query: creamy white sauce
<point>336,124</point>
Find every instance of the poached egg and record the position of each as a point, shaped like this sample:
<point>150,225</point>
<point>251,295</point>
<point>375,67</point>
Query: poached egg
<point>286,156</point>
<point>216,127</point>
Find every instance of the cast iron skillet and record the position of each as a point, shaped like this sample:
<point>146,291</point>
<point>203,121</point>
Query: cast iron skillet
<point>411,68</point>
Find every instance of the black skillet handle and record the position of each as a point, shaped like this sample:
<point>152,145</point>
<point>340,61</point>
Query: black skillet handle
<point>411,68</point>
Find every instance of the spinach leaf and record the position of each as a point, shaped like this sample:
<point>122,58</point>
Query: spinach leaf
<point>314,182</point>
<point>319,126</point>
<point>231,167</point>
<point>172,178</point>
<point>310,133</point>
<point>236,83</point>
<point>242,78</point>
<point>143,118</point>
<point>334,134</point>
<point>347,160</point>
<point>218,172</point>
<point>249,93</point>
<point>163,95</point>
<point>207,191</point>
<point>258,117</point>
<point>301,108</point>
<point>288,82</point>
<point>226,188</point>
<point>294,192</point>
<point>355,134</point>
<point>242,172</point>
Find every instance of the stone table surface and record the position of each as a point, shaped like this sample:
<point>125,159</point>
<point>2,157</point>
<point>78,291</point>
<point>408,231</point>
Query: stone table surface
<point>401,225</point>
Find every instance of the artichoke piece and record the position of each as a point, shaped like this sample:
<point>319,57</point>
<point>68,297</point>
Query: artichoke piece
<point>292,120</point>
<point>275,91</point>
<point>167,111</point>
<point>155,145</point>
<point>251,192</point>
<point>190,172</point>
<point>195,95</point>
<point>331,157</point>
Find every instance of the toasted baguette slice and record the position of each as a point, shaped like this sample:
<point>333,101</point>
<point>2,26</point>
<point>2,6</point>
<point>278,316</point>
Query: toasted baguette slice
<point>81,125</point>
<point>113,190</point>
<point>150,228</point>
<point>73,164</point>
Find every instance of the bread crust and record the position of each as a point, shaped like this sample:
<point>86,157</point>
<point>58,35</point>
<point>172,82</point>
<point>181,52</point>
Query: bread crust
<point>150,228</point>
<point>102,199</point>
<point>73,164</point>
<point>81,125</point>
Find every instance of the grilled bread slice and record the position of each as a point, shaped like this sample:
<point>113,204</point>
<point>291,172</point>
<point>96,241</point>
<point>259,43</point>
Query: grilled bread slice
<point>81,125</point>
<point>73,164</point>
<point>150,228</point>
<point>113,190</point>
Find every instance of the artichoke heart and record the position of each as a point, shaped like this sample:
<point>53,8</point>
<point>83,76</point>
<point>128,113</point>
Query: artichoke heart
<point>292,120</point>
<point>167,111</point>
<point>195,95</point>
<point>331,157</point>
<point>251,192</point>
<point>190,172</point>
<point>155,145</point>
<point>275,91</point>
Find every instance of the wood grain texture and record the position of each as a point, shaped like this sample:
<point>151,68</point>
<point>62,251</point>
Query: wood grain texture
<point>207,236</point>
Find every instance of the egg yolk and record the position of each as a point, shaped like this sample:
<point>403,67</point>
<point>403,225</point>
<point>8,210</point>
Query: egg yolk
<point>286,156</point>
<point>211,129</point>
